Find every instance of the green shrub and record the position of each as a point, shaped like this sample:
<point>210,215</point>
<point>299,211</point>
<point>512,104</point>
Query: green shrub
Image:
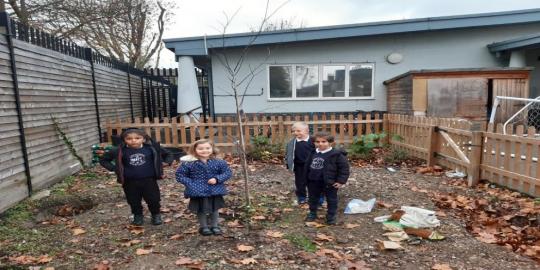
<point>395,156</point>
<point>363,146</point>
<point>263,149</point>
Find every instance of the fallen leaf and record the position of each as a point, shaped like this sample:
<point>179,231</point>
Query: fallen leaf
<point>358,265</point>
<point>384,205</point>
<point>247,261</point>
<point>235,224</point>
<point>258,218</point>
<point>487,238</point>
<point>439,266</point>
<point>324,237</point>
<point>141,251</point>
<point>103,265</point>
<point>175,237</point>
<point>274,234</point>
<point>314,224</point>
<point>287,210</point>
<point>78,231</point>
<point>189,263</point>
<point>43,259</point>
<point>351,225</point>
<point>244,248</point>
<point>136,229</point>
<point>167,220</point>
<point>389,245</point>
<point>326,251</point>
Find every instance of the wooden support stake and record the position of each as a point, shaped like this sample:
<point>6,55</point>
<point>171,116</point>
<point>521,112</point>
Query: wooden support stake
<point>455,147</point>
<point>432,146</point>
<point>473,174</point>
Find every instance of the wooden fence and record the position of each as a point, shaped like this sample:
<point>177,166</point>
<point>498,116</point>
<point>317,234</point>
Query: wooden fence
<point>224,130</point>
<point>509,160</point>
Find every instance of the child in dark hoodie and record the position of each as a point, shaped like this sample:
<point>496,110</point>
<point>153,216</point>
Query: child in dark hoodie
<point>327,169</point>
<point>137,162</point>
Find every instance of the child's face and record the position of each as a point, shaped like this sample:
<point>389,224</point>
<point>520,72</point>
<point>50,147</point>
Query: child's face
<point>203,150</point>
<point>300,133</point>
<point>134,140</point>
<point>322,144</point>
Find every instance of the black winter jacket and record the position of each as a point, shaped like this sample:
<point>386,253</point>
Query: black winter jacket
<point>336,167</point>
<point>115,154</point>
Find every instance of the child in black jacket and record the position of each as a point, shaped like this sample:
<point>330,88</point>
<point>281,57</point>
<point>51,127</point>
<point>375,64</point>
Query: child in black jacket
<point>327,169</point>
<point>137,162</point>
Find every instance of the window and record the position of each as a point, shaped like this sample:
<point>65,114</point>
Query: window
<point>321,81</point>
<point>307,81</point>
<point>280,82</point>
<point>333,81</point>
<point>360,80</point>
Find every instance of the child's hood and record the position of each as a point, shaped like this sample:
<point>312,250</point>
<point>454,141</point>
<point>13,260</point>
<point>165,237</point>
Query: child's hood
<point>187,158</point>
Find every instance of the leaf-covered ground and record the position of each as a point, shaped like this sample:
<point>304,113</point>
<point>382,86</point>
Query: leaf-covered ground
<point>84,224</point>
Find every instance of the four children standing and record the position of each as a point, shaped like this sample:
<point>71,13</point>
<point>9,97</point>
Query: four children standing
<point>319,170</point>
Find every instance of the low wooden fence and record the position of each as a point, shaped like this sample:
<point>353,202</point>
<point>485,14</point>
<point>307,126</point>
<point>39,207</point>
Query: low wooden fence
<point>224,132</point>
<point>509,160</point>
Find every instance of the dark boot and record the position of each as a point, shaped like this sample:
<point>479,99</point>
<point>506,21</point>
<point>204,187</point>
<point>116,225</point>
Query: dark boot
<point>217,231</point>
<point>205,231</point>
<point>156,219</point>
<point>331,220</point>
<point>312,216</point>
<point>137,220</point>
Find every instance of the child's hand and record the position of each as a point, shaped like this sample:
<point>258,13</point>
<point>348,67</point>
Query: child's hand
<point>212,181</point>
<point>337,185</point>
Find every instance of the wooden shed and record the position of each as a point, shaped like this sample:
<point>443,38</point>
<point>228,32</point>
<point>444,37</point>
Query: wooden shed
<point>460,93</point>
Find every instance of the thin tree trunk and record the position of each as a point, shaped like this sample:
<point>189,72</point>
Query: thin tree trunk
<point>243,158</point>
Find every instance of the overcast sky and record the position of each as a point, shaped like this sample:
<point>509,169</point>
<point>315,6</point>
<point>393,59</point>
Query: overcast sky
<point>204,17</point>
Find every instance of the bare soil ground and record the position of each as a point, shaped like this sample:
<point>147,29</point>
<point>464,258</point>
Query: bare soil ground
<point>84,224</point>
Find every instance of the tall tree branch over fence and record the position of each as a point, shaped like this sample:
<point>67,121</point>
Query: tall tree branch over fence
<point>126,30</point>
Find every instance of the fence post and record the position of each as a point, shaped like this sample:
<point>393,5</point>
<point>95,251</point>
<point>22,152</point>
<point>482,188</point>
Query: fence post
<point>88,56</point>
<point>130,97</point>
<point>386,129</point>
<point>477,145</point>
<point>5,21</point>
<point>432,146</point>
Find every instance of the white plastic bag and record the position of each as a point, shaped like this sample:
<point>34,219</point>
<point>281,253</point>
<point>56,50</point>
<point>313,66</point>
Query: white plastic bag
<point>356,206</point>
<point>415,217</point>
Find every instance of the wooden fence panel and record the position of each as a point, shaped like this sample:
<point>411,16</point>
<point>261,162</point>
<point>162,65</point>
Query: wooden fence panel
<point>512,160</point>
<point>52,84</point>
<point>13,186</point>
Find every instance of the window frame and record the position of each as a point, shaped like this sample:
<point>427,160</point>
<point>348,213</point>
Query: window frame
<point>320,67</point>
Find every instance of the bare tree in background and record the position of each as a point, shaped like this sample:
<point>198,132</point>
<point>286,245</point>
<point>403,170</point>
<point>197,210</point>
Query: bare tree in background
<point>240,77</point>
<point>126,30</point>
<point>282,24</point>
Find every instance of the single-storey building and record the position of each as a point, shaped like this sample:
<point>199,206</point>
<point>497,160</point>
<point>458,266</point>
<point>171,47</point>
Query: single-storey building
<point>343,68</point>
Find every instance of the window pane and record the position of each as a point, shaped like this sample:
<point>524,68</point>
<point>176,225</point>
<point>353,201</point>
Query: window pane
<point>307,81</point>
<point>360,80</point>
<point>333,81</point>
<point>280,82</point>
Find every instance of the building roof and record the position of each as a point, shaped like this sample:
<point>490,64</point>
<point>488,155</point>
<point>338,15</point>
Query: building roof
<point>524,42</point>
<point>199,45</point>
<point>461,71</point>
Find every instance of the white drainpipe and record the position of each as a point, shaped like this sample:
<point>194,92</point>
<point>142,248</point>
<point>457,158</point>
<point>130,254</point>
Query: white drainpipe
<point>188,99</point>
<point>517,59</point>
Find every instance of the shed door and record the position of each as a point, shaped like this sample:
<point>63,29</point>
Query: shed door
<point>458,97</point>
<point>509,88</point>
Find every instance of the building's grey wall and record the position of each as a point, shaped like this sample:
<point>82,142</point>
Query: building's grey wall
<point>533,60</point>
<point>435,50</point>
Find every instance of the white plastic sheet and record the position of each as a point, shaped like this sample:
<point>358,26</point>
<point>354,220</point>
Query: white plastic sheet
<point>357,206</point>
<point>416,217</point>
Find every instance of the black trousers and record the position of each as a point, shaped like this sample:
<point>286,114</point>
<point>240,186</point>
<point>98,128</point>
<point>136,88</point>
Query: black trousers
<point>139,189</point>
<point>300,181</point>
<point>316,190</point>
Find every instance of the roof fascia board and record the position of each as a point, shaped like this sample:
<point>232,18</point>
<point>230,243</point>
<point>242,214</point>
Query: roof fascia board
<point>196,44</point>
